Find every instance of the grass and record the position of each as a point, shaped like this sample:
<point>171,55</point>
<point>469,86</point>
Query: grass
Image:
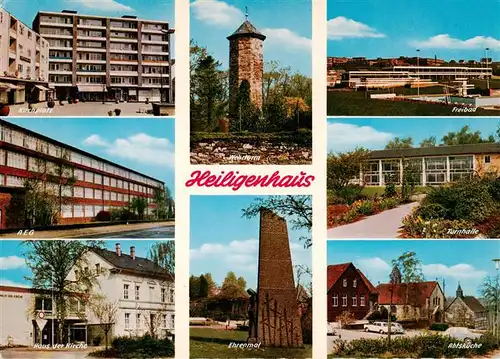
<point>375,191</point>
<point>343,103</point>
<point>213,343</point>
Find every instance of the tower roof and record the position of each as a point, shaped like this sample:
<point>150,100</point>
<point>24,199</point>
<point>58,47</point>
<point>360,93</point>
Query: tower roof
<point>247,30</point>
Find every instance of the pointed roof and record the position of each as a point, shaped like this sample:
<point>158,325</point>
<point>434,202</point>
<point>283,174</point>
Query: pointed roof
<point>415,293</point>
<point>247,30</point>
<point>335,271</point>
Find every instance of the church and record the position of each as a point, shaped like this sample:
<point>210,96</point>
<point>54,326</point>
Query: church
<point>466,311</point>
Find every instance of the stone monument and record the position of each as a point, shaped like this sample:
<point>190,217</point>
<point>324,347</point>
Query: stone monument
<point>278,321</point>
<point>246,63</point>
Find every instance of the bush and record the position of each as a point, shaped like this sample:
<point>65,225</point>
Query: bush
<point>387,203</point>
<point>439,326</point>
<point>432,211</point>
<point>143,347</point>
<point>103,216</point>
<point>365,208</point>
<point>96,340</point>
<point>390,190</point>
<point>350,193</point>
<point>416,227</point>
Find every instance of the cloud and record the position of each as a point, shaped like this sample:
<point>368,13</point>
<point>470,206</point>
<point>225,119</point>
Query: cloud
<point>216,13</point>
<point>445,41</point>
<point>103,5</point>
<point>376,264</point>
<point>9,283</point>
<point>140,148</point>
<point>243,255</point>
<point>345,137</point>
<point>341,28</point>
<point>457,271</point>
<point>286,39</point>
<point>11,262</point>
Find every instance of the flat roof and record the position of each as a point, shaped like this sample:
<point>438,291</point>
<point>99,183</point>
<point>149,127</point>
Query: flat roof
<point>61,13</point>
<point>57,143</point>
<point>29,27</point>
<point>469,149</point>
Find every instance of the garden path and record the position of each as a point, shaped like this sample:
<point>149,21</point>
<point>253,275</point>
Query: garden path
<point>382,225</point>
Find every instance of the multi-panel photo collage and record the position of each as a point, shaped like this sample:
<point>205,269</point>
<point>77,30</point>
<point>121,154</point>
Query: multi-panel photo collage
<point>179,177</point>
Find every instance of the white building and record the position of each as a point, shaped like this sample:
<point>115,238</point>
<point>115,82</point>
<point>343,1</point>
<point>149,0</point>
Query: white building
<point>24,62</point>
<point>118,58</point>
<point>142,292</point>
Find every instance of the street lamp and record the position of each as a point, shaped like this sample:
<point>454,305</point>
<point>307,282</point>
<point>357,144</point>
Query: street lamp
<point>497,263</point>
<point>418,72</point>
<point>487,78</point>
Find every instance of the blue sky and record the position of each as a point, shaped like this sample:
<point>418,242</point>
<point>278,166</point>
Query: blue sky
<point>13,267</point>
<point>464,261</point>
<point>222,241</point>
<point>346,134</point>
<point>26,10</point>
<point>450,29</point>
<point>287,25</point>
<point>144,145</point>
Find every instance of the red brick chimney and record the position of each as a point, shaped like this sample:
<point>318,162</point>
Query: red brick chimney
<point>132,252</point>
<point>118,250</point>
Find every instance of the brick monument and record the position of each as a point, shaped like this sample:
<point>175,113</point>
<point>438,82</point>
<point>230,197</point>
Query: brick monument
<point>277,311</point>
<point>246,63</point>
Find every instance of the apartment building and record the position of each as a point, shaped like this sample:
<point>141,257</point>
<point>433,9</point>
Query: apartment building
<point>432,165</point>
<point>95,57</point>
<point>97,184</point>
<point>142,292</point>
<point>24,62</point>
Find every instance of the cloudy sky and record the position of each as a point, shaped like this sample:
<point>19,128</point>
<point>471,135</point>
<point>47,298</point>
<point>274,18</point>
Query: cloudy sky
<point>448,29</point>
<point>13,267</point>
<point>466,261</point>
<point>222,241</point>
<point>145,145</point>
<point>346,134</point>
<point>287,25</point>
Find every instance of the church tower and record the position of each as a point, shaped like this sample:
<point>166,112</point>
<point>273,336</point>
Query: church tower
<point>246,64</point>
<point>460,293</point>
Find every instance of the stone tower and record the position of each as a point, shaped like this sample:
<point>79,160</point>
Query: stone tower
<point>246,63</point>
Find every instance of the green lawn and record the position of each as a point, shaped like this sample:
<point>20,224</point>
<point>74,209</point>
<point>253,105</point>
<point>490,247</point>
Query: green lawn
<point>213,343</point>
<point>354,103</point>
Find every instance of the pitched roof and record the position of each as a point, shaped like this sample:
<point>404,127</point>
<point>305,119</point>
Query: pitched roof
<point>467,149</point>
<point>247,30</point>
<point>414,294</point>
<point>141,266</point>
<point>335,271</point>
<point>473,304</point>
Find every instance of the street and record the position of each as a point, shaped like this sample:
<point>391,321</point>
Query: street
<point>358,334</point>
<point>99,109</point>
<point>30,353</point>
<point>157,232</point>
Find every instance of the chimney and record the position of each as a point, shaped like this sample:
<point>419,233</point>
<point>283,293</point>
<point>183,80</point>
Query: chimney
<point>132,252</point>
<point>118,250</point>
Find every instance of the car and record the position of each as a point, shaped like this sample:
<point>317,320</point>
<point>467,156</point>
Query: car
<point>383,328</point>
<point>461,333</point>
<point>330,331</point>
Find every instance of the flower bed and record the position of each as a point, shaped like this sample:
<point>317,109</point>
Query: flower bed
<point>341,214</point>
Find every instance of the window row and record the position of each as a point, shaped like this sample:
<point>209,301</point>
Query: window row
<point>167,321</point>
<point>344,298</point>
<point>133,292</point>
<point>91,193</point>
<point>88,211</point>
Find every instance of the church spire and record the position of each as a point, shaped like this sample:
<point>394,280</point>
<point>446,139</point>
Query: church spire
<point>460,292</point>
<point>246,13</point>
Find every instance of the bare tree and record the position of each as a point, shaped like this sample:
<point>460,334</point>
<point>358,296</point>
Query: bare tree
<point>105,312</point>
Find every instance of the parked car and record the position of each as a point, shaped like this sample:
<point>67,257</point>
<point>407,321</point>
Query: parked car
<point>461,333</point>
<point>330,331</point>
<point>383,328</point>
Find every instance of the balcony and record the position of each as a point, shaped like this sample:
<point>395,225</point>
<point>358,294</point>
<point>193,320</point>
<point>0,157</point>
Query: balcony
<point>81,72</point>
<point>90,61</point>
<point>61,72</point>
<point>91,26</point>
<point>123,51</point>
<point>12,53</point>
<point>91,49</point>
<point>124,73</point>
<point>155,62</point>
<point>13,33</point>
<point>154,52</point>
<point>52,23</point>
<point>62,48</point>
<point>123,39</point>
<point>60,59</point>
<point>123,62</point>
<point>148,30</point>
<point>146,74</point>
<point>91,38</point>
<point>58,36</point>
<point>123,29</point>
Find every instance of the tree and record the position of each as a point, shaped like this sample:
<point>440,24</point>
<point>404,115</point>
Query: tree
<point>490,291</point>
<point>138,205</point>
<point>410,267</point>
<point>342,168</point>
<point>50,263</point>
<point>346,318</point>
<point>295,208</point>
<point>465,136</point>
<point>210,283</point>
<point>232,287</point>
<point>428,142</point>
<point>203,287</point>
<point>398,142</point>
<point>105,312</point>
<point>194,287</point>
<point>163,254</point>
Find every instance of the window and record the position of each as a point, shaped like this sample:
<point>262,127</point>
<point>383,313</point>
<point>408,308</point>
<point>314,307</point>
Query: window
<point>137,291</point>
<point>125,291</point>
<point>172,295</point>
<point>67,211</point>
<point>151,291</point>
<point>362,300</point>
<point>164,316</point>
<point>89,193</point>
<point>354,301</point>
<point>137,321</point>
<point>371,173</point>
<point>390,171</point>
<point>43,304</point>
<point>17,160</point>
<point>89,211</point>
<point>435,169</point>
<point>344,283</point>
<point>98,268</point>
<point>79,174</point>
<point>97,178</point>
<point>78,211</point>
<point>172,321</point>
<point>127,320</point>
<point>344,300</point>
<point>335,299</point>
<point>163,295</point>
<point>354,283</point>
<point>78,192</point>
<point>487,159</point>
<point>89,177</point>
<point>461,167</point>
<point>98,194</point>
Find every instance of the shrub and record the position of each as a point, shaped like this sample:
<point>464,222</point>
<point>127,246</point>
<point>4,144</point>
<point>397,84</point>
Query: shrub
<point>365,208</point>
<point>439,326</point>
<point>333,198</point>
<point>96,340</point>
<point>103,216</point>
<point>416,227</point>
<point>387,203</point>
<point>432,211</point>
<point>142,347</point>
<point>349,216</point>
<point>350,193</point>
<point>390,190</point>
